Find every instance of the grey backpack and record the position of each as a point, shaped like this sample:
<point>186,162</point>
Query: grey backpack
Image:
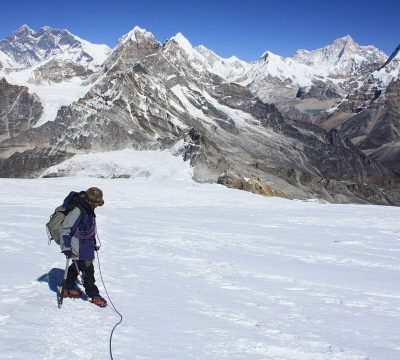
<point>54,225</point>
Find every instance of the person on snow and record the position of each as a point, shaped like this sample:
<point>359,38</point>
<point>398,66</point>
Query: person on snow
<point>78,242</point>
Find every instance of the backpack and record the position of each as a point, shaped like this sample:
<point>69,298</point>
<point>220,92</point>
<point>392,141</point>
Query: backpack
<point>56,219</point>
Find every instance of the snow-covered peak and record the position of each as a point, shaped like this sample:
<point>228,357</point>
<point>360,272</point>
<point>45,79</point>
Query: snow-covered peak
<point>131,47</point>
<point>137,34</point>
<point>233,59</point>
<point>344,57</point>
<point>203,58</point>
<point>280,68</point>
<point>228,68</point>
<point>211,56</point>
<point>99,52</point>
<point>207,53</point>
<point>345,40</point>
<point>338,64</point>
<point>393,60</point>
<point>184,44</point>
<point>26,48</point>
<point>53,63</point>
<point>387,73</point>
<point>24,27</point>
<point>302,52</point>
<point>23,30</point>
<point>269,56</point>
<point>48,29</point>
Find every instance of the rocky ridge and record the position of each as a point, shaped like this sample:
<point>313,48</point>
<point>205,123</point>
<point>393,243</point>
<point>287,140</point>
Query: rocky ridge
<point>149,95</point>
<point>370,116</point>
<point>19,110</point>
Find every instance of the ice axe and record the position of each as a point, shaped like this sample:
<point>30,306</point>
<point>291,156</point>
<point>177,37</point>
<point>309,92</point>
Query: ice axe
<point>61,295</point>
<point>78,271</point>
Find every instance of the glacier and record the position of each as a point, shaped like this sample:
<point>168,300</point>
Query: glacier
<point>200,271</point>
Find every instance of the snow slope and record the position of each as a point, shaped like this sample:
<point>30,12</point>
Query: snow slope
<point>126,163</point>
<point>52,96</point>
<point>202,272</point>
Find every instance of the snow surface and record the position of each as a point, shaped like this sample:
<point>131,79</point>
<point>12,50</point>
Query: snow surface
<point>99,52</point>
<point>387,74</point>
<point>202,272</point>
<point>126,163</point>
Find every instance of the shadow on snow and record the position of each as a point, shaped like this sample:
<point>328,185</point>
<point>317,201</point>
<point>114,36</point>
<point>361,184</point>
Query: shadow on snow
<point>54,279</point>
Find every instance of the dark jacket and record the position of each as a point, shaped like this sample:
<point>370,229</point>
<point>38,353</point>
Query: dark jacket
<point>78,230</point>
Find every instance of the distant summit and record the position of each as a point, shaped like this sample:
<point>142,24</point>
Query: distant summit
<point>25,48</point>
<point>344,57</point>
<point>137,34</point>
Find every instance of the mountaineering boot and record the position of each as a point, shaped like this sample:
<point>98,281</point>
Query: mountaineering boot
<point>99,301</point>
<point>72,293</point>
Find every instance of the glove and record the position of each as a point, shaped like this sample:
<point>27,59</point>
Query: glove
<point>95,246</point>
<point>68,254</point>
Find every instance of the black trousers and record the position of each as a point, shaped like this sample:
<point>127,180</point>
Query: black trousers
<point>87,271</point>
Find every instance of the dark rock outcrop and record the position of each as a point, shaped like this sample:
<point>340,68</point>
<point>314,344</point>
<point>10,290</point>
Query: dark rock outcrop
<point>19,110</point>
<point>252,184</point>
<point>319,90</point>
<point>58,71</point>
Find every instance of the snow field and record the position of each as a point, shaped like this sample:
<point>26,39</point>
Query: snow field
<point>202,272</point>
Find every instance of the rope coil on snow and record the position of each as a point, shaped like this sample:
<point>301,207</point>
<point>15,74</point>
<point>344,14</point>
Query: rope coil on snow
<point>108,296</point>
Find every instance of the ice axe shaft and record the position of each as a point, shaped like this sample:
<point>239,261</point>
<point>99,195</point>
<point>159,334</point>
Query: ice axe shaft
<point>78,271</point>
<point>61,296</point>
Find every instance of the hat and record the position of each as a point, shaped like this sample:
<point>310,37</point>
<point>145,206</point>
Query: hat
<point>94,197</point>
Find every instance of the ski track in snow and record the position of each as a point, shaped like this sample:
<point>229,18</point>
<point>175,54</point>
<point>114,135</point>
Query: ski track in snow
<point>203,272</point>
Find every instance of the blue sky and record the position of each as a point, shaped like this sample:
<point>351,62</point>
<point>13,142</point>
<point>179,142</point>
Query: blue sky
<point>244,28</point>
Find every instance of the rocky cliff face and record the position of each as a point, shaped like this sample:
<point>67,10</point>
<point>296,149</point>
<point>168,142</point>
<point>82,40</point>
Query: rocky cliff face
<point>150,96</point>
<point>370,116</point>
<point>376,129</point>
<point>131,47</point>
<point>55,71</point>
<point>19,110</point>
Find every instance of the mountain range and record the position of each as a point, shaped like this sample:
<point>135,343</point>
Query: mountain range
<point>319,124</point>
